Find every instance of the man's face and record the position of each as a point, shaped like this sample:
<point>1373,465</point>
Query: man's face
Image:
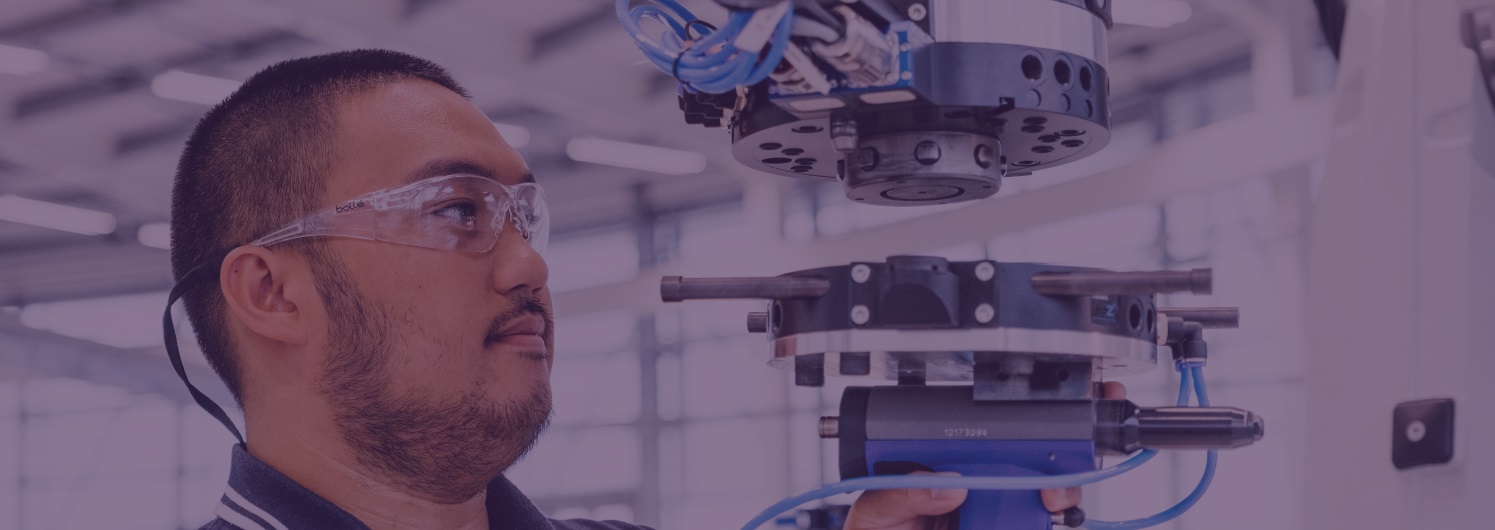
<point>438,361</point>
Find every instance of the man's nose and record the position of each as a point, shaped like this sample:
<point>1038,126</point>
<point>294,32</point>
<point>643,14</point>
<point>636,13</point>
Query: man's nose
<point>517,265</point>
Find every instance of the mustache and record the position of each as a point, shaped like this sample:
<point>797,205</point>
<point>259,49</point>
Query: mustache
<point>524,306</point>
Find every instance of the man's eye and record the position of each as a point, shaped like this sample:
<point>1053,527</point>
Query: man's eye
<point>461,212</point>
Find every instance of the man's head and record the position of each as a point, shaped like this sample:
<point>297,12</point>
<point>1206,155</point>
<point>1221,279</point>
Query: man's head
<point>427,362</point>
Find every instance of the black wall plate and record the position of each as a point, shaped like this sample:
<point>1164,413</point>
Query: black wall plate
<point>1422,433</point>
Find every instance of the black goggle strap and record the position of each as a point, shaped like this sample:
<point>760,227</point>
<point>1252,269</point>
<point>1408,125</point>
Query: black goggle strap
<point>207,270</point>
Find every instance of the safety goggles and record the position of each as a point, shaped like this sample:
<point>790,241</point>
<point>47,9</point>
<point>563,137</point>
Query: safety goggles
<point>465,213</point>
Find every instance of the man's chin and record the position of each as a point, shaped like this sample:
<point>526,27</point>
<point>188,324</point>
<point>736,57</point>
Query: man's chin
<point>445,450</point>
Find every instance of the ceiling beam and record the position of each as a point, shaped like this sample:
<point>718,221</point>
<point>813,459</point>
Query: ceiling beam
<point>130,78</point>
<point>572,31</point>
<point>82,271</point>
<point>36,353</point>
<point>73,17</point>
<point>145,138</point>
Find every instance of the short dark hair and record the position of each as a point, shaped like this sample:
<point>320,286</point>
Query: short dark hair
<point>258,160</point>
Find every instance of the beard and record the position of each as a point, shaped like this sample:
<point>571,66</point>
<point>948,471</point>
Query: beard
<point>447,449</point>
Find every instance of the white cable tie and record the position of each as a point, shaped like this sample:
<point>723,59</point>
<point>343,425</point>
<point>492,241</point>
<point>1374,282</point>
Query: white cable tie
<point>760,27</point>
<point>807,68</point>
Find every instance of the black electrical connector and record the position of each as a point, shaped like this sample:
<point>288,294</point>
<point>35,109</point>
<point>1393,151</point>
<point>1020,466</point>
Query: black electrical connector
<point>1186,340</point>
<point>705,109</point>
<point>1072,518</point>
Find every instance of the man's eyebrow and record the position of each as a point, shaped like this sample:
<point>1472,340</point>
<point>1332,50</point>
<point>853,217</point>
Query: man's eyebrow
<point>443,167</point>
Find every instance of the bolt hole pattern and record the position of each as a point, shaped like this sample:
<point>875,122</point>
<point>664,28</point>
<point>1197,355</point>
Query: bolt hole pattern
<point>1062,73</point>
<point>1032,68</point>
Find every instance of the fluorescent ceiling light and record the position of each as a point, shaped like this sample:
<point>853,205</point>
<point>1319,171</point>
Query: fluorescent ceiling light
<point>192,88</point>
<point>21,61</point>
<point>1151,13</point>
<point>131,321</point>
<point>635,156</point>
<point>516,136</point>
<point>55,216</point>
<point>155,235</point>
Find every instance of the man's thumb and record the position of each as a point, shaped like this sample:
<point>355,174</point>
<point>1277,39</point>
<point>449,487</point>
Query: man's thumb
<point>902,509</point>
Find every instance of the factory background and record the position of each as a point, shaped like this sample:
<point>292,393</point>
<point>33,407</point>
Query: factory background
<point>666,415</point>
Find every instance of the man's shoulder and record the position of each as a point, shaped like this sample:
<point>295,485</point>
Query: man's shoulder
<point>218,524</point>
<point>582,524</point>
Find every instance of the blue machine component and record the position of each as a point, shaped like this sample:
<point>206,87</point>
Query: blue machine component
<point>1036,339</point>
<point>1015,509</point>
<point>904,37</point>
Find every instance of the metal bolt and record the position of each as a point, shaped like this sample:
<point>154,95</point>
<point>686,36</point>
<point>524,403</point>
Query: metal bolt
<point>860,273</point>
<point>844,134</point>
<point>985,271</point>
<point>927,152</point>
<point>867,158</point>
<point>984,156</point>
<point>917,12</point>
<point>984,313</point>
<point>1416,431</point>
<point>860,314</point>
<point>757,322</point>
<point>830,427</point>
<point>906,76</point>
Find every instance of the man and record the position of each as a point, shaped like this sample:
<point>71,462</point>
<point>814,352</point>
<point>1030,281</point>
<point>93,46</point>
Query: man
<point>379,309</point>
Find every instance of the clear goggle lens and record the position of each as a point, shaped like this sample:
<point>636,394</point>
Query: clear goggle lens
<point>466,213</point>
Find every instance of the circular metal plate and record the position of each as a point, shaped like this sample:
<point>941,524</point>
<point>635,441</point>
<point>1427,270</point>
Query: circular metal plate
<point>924,167</point>
<point>1036,23</point>
<point>948,352</point>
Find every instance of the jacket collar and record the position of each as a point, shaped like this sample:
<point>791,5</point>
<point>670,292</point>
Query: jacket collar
<point>260,498</point>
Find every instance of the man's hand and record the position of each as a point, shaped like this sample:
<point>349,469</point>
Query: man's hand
<point>924,509</point>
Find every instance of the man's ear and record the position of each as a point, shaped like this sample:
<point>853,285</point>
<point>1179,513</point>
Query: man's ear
<point>267,292</point>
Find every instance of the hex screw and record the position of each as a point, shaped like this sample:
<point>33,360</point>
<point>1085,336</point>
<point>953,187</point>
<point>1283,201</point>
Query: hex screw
<point>860,314</point>
<point>917,12</point>
<point>985,271</point>
<point>984,313</point>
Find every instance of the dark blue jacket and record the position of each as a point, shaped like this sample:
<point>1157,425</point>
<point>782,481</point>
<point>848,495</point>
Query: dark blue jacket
<point>260,498</point>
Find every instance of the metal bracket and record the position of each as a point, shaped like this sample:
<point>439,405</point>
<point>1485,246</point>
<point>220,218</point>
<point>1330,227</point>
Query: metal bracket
<point>1477,26</point>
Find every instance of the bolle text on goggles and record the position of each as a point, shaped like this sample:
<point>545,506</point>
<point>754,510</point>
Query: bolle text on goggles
<point>465,213</point>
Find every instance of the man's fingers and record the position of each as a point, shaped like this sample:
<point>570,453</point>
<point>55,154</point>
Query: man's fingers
<point>902,509</point>
<point>1061,499</point>
<point>1112,390</point>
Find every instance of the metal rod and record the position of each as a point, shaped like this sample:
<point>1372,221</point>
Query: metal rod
<point>1197,281</point>
<point>1174,427</point>
<point>1209,317</point>
<point>757,322</point>
<point>1198,428</point>
<point>676,288</point>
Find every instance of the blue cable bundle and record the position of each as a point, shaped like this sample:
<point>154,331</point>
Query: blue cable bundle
<point>1190,375</point>
<point>713,63</point>
<point>1187,371</point>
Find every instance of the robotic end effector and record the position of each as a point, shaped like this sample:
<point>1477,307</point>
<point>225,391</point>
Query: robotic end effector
<point>907,102</point>
<point>911,102</point>
<point>1023,344</point>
